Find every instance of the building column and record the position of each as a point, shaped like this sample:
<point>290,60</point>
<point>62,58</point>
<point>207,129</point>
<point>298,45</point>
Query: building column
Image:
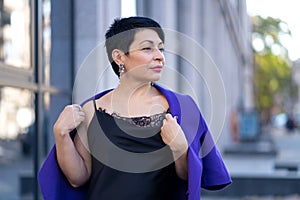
<point>61,60</point>
<point>91,20</point>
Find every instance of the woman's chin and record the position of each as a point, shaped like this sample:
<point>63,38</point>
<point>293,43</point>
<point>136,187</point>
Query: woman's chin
<point>156,78</point>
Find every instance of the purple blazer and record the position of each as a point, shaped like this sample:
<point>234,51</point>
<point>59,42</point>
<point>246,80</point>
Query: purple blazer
<point>206,168</point>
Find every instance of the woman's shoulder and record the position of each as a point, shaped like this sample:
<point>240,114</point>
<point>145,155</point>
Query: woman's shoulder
<point>104,102</point>
<point>96,102</point>
<point>98,99</point>
<point>171,94</point>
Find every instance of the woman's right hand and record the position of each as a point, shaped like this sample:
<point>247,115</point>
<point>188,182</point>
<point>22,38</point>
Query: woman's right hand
<point>69,119</point>
<point>72,156</point>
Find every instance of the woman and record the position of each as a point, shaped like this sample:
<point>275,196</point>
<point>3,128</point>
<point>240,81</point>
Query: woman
<point>156,144</point>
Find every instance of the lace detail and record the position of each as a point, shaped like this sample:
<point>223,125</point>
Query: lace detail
<point>143,121</point>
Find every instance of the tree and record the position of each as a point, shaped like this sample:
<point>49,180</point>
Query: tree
<point>272,66</point>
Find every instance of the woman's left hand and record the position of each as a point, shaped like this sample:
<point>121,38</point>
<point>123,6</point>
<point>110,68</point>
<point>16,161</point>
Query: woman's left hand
<point>173,136</point>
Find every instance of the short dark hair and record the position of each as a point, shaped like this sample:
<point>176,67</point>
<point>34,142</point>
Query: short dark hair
<point>121,34</point>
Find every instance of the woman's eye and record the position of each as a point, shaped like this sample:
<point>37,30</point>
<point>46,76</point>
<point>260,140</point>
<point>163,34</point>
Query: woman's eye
<point>146,48</point>
<point>152,49</point>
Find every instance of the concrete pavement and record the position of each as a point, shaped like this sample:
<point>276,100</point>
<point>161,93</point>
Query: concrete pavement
<point>264,176</point>
<point>13,166</point>
<point>242,167</point>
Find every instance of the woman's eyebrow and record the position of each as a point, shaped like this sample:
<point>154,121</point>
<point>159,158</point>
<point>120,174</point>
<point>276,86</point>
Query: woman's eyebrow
<point>150,41</point>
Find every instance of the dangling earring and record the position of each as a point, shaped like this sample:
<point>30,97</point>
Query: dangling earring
<point>121,69</point>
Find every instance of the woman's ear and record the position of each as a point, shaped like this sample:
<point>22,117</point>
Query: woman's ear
<point>117,56</point>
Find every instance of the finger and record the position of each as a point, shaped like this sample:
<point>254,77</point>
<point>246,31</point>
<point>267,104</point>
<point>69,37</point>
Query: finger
<point>71,108</point>
<point>81,114</point>
<point>78,106</point>
<point>75,107</point>
<point>80,118</point>
<point>168,116</point>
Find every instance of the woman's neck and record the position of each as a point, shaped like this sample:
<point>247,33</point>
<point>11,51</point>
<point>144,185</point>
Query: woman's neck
<point>134,99</point>
<point>134,88</point>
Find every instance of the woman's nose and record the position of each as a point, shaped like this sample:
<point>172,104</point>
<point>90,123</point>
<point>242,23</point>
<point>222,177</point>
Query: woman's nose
<point>158,55</point>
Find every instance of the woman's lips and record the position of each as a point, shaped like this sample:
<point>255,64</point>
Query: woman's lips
<point>156,68</point>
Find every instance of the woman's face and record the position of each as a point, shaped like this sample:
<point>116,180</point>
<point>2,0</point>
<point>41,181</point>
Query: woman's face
<point>146,59</point>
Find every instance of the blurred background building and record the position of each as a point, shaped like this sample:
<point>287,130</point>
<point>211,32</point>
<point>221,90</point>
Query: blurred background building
<point>45,45</point>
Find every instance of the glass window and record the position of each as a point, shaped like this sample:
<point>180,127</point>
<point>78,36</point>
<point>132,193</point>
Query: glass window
<point>16,112</point>
<point>17,105</point>
<point>16,143</point>
<point>46,40</point>
<point>15,33</point>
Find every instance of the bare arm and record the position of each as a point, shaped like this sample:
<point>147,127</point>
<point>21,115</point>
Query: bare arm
<point>181,166</point>
<point>173,136</point>
<point>72,156</point>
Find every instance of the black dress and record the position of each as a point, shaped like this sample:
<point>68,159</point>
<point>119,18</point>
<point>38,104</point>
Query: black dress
<point>130,161</point>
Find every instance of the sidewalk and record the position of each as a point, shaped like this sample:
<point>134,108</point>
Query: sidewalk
<point>265,176</point>
<point>287,151</point>
<point>13,165</point>
<point>247,167</point>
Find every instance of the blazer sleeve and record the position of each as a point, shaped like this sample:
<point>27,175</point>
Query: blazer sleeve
<point>53,183</point>
<point>206,168</point>
<point>214,175</point>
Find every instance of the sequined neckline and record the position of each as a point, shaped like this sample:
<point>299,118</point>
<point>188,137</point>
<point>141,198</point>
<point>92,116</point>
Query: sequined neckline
<point>142,121</point>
